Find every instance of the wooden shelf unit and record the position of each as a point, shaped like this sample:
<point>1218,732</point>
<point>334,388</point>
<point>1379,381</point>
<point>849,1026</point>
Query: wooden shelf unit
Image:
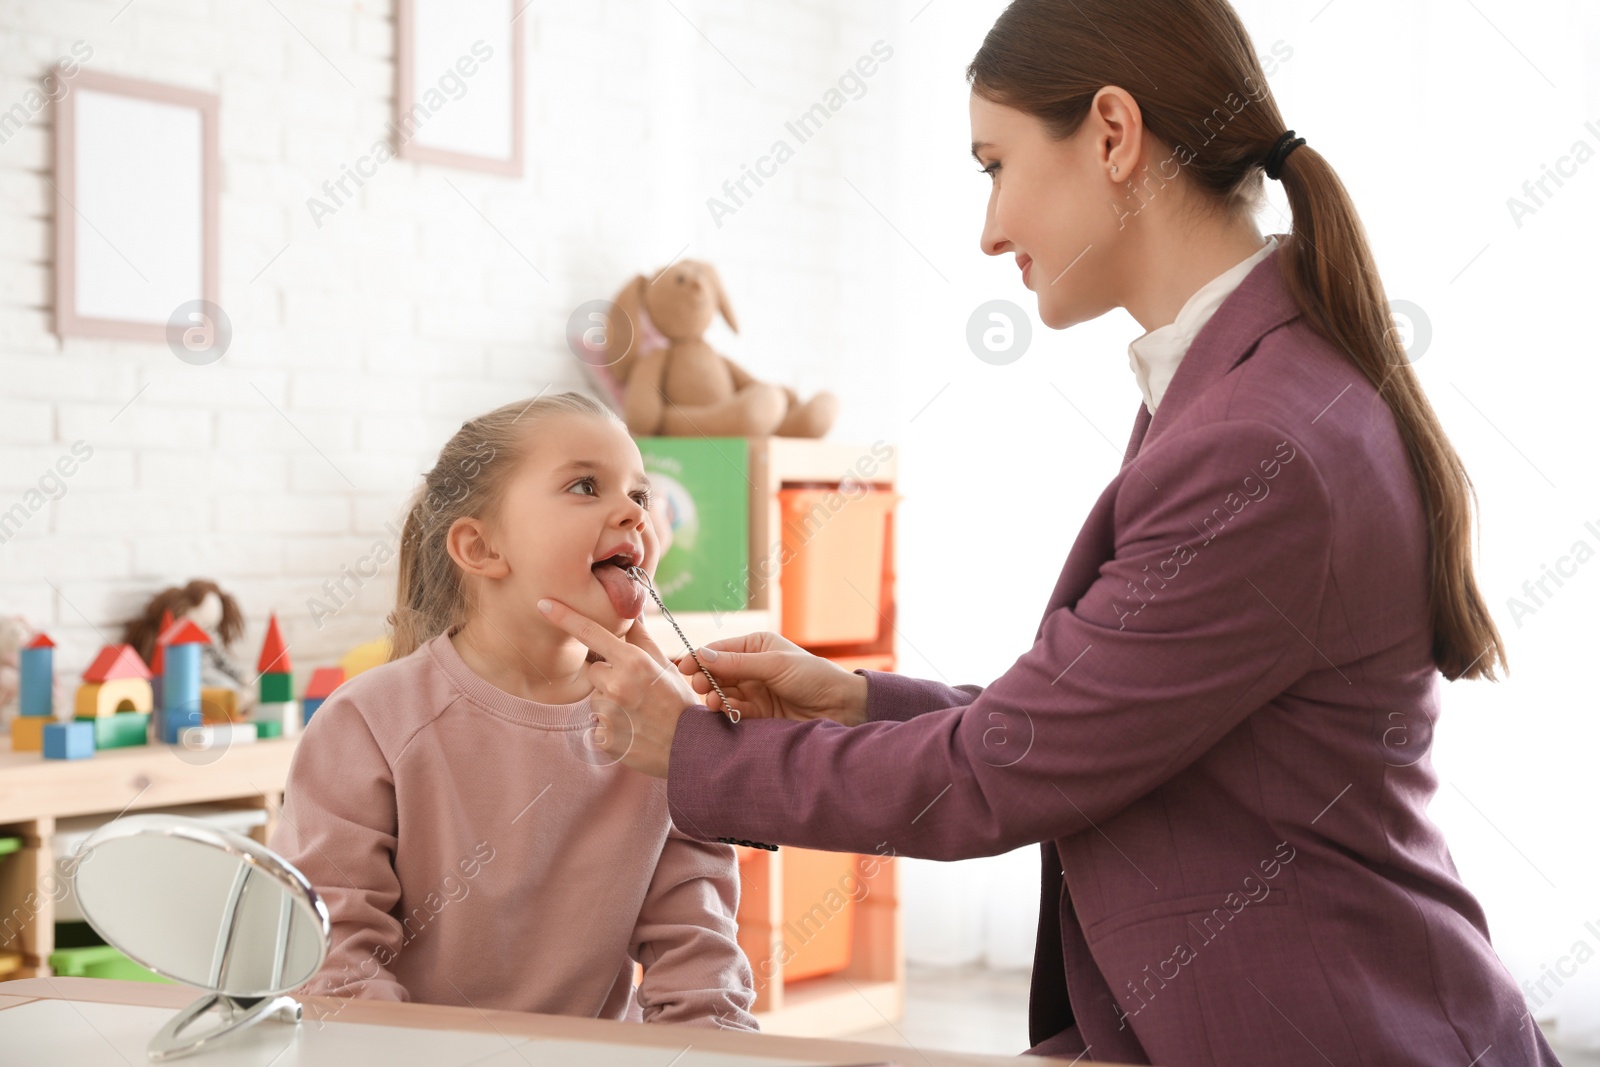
<point>35,793</point>
<point>872,988</point>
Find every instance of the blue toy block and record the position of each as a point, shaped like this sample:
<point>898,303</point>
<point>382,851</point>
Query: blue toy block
<point>37,670</point>
<point>176,720</point>
<point>180,682</point>
<point>308,707</point>
<point>69,740</point>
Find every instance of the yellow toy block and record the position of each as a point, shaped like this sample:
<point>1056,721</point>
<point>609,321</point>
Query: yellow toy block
<point>96,699</point>
<point>27,732</point>
<point>365,657</point>
<point>219,704</point>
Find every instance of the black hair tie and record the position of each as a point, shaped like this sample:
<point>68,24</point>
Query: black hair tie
<point>1280,152</point>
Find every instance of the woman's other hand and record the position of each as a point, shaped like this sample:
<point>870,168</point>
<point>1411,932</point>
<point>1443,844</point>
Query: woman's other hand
<point>770,677</point>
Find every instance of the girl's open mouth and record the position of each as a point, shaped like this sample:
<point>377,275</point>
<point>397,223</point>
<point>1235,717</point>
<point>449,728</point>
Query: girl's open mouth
<point>627,595</point>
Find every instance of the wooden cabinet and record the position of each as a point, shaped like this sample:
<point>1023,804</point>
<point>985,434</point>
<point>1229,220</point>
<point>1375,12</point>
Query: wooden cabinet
<point>872,988</point>
<point>35,794</point>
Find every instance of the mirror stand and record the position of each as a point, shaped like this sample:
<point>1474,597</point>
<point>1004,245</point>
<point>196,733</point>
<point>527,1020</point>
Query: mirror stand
<point>235,1015</point>
<point>201,905</point>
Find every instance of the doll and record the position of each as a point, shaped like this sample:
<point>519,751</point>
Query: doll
<point>14,633</point>
<point>215,612</point>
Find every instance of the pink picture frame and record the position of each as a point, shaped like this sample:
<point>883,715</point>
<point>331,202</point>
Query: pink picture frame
<point>70,318</point>
<point>410,85</point>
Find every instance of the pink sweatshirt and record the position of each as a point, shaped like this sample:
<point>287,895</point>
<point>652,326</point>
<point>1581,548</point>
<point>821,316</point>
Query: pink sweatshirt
<point>472,849</point>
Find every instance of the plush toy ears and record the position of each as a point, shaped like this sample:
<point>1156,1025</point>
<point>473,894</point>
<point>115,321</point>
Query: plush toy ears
<point>722,296</point>
<point>623,332</point>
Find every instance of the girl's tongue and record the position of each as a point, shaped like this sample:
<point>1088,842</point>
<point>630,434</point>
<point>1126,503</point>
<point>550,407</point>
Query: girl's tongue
<point>627,595</point>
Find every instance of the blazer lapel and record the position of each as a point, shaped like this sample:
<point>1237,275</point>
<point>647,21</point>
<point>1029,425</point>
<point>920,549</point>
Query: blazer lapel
<point>1259,305</point>
<point>1141,425</point>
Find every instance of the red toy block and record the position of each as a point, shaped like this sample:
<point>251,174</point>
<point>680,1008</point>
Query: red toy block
<point>116,661</point>
<point>274,653</point>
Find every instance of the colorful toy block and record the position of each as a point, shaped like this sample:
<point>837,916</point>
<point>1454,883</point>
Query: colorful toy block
<point>68,740</point>
<point>158,660</point>
<point>37,668</point>
<point>27,732</point>
<point>176,720</point>
<point>122,730</point>
<point>275,720</point>
<point>276,688</point>
<point>324,680</point>
<point>219,704</point>
<point>277,680</point>
<point>180,679</point>
<point>218,735</point>
<point>116,681</point>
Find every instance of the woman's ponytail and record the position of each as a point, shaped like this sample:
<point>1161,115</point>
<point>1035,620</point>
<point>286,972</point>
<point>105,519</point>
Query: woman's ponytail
<point>1330,272</point>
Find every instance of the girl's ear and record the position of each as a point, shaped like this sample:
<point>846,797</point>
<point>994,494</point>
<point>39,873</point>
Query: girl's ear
<point>472,550</point>
<point>722,297</point>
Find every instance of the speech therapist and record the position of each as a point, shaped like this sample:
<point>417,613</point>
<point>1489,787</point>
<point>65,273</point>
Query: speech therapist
<point>1220,737</point>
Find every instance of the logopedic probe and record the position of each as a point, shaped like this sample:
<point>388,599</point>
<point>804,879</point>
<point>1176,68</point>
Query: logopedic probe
<point>638,574</point>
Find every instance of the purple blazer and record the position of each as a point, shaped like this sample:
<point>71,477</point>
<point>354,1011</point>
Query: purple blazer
<point>1220,738</point>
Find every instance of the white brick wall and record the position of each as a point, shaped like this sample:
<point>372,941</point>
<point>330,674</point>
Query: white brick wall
<point>359,346</point>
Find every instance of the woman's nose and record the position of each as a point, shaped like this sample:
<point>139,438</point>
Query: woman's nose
<point>991,240</point>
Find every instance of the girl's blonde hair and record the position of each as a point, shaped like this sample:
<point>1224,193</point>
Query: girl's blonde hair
<point>466,482</point>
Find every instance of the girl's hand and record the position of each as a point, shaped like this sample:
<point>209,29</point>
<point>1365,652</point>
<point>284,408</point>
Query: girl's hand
<point>770,677</point>
<point>638,697</point>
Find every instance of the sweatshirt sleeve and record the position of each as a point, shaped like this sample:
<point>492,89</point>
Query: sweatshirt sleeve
<point>1207,610</point>
<point>338,826</point>
<point>686,939</point>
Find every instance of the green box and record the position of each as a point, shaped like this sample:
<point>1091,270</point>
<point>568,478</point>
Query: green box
<point>122,730</point>
<point>277,687</point>
<point>706,481</point>
<point>99,961</point>
<point>266,728</point>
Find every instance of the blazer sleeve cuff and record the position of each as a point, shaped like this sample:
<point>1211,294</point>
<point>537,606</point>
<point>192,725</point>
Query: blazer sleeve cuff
<point>895,697</point>
<point>698,797</point>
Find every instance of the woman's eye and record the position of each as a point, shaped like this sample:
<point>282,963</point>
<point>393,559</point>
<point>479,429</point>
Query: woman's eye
<point>990,170</point>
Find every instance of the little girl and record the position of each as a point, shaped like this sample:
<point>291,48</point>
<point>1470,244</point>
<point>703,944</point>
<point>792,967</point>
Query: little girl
<point>471,843</point>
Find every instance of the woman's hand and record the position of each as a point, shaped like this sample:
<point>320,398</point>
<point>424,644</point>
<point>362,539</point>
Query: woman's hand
<point>638,697</point>
<point>770,677</point>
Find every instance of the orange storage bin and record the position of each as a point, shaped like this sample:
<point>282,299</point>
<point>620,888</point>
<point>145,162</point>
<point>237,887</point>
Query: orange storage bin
<point>818,914</point>
<point>818,910</point>
<point>834,546</point>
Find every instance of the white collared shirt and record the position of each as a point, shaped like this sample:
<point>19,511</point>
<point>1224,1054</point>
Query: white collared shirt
<point>1154,357</point>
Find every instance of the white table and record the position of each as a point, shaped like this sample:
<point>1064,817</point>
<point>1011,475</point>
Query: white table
<point>89,1022</point>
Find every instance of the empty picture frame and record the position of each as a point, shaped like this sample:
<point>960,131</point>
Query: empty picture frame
<point>136,180</point>
<point>458,84</point>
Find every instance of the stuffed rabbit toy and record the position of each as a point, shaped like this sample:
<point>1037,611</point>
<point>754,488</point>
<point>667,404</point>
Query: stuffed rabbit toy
<point>687,389</point>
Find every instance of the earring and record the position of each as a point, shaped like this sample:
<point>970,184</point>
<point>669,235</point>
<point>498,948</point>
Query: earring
<point>1113,170</point>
